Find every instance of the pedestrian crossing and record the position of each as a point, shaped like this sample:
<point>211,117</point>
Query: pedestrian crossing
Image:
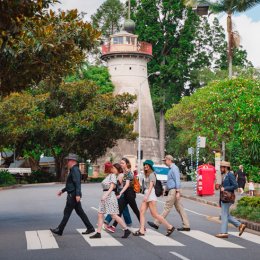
<point>44,239</point>
<point>106,240</point>
<point>211,240</point>
<point>40,239</point>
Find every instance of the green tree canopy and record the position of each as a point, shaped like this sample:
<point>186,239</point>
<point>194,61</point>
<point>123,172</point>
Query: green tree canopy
<point>13,15</point>
<point>97,74</point>
<point>48,47</point>
<point>226,110</point>
<point>75,117</point>
<point>108,17</point>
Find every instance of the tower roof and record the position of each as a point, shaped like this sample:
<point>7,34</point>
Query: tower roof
<point>123,33</point>
<point>129,25</point>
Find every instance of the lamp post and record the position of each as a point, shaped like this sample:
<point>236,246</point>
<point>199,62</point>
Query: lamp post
<point>201,9</point>
<point>157,73</point>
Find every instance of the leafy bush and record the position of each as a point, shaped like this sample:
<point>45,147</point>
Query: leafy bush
<point>248,208</point>
<point>6,178</point>
<point>224,110</point>
<point>40,177</point>
<point>255,177</point>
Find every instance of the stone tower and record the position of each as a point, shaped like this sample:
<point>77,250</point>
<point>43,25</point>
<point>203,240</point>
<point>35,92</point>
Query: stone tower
<point>127,60</point>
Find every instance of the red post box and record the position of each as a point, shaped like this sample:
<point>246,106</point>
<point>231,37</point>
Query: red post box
<point>206,180</point>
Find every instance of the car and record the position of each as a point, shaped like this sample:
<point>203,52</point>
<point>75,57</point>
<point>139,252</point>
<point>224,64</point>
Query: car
<point>161,171</point>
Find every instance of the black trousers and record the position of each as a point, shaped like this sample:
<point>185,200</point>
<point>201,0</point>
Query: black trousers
<point>70,205</point>
<point>128,199</point>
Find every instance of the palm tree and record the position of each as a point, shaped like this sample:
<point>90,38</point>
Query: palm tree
<point>230,7</point>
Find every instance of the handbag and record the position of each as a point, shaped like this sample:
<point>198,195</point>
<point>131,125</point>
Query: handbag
<point>227,196</point>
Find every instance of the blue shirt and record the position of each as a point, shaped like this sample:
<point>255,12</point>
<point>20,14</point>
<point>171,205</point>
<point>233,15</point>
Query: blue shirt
<point>173,179</point>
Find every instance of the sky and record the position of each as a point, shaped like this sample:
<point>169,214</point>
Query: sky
<point>247,24</point>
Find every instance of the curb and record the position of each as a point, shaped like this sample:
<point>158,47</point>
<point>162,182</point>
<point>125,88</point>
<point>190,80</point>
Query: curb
<point>250,225</point>
<point>29,185</point>
<point>11,187</point>
<point>212,203</point>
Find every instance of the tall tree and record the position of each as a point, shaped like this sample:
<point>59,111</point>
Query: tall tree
<point>230,7</point>
<point>75,117</point>
<point>175,28</point>
<point>108,17</point>
<point>230,113</point>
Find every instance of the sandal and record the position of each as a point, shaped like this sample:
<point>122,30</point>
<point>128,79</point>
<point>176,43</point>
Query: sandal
<point>138,233</point>
<point>169,231</point>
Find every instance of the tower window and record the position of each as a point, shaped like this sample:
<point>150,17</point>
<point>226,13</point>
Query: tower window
<point>130,68</point>
<point>118,40</point>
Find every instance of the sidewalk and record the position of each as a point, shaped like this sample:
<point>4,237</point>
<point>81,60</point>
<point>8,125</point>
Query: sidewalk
<point>188,192</point>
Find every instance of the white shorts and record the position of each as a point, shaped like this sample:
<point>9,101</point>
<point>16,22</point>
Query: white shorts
<point>152,196</point>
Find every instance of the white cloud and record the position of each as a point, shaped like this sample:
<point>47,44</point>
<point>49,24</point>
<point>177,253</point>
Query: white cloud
<point>85,6</point>
<point>249,31</point>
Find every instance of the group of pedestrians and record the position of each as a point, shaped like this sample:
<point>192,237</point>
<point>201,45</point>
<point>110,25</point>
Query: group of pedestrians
<point>118,193</point>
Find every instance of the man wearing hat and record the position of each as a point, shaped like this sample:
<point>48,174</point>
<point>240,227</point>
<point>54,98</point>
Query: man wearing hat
<point>73,189</point>
<point>228,184</point>
<point>173,187</point>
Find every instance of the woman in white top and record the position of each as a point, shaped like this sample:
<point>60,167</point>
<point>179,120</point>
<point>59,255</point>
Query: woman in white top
<point>149,201</point>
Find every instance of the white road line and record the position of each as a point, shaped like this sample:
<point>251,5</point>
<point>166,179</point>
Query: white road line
<point>158,239</point>
<point>105,240</point>
<point>211,240</point>
<point>194,212</point>
<point>247,236</point>
<point>40,239</point>
<point>179,255</point>
<point>33,241</point>
<point>94,208</point>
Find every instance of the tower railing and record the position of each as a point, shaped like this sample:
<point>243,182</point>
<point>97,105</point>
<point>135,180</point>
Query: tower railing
<point>141,47</point>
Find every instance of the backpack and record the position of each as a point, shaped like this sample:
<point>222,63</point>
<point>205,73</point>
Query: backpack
<point>158,188</point>
<point>136,185</point>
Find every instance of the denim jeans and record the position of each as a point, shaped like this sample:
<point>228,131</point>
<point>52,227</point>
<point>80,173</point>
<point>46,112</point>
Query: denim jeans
<point>227,218</point>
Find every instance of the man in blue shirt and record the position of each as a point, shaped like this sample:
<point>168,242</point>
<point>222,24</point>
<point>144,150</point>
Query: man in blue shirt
<point>173,199</point>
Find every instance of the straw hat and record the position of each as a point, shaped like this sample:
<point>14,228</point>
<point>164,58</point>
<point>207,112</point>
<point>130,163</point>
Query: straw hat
<point>225,164</point>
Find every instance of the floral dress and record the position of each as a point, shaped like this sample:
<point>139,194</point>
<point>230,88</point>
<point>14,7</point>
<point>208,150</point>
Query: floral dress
<point>110,205</point>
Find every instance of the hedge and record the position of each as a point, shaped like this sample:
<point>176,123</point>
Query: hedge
<point>248,208</point>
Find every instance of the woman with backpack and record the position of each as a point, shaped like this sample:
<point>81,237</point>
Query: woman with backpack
<point>127,195</point>
<point>149,201</point>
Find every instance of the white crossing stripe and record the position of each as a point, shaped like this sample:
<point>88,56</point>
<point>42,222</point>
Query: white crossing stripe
<point>247,236</point>
<point>40,239</point>
<point>179,256</point>
<point>105,240</point>
<point>158,239</point>
<point>211,240</point>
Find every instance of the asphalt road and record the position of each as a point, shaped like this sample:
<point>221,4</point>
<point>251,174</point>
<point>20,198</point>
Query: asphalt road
<point>29,209</point>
